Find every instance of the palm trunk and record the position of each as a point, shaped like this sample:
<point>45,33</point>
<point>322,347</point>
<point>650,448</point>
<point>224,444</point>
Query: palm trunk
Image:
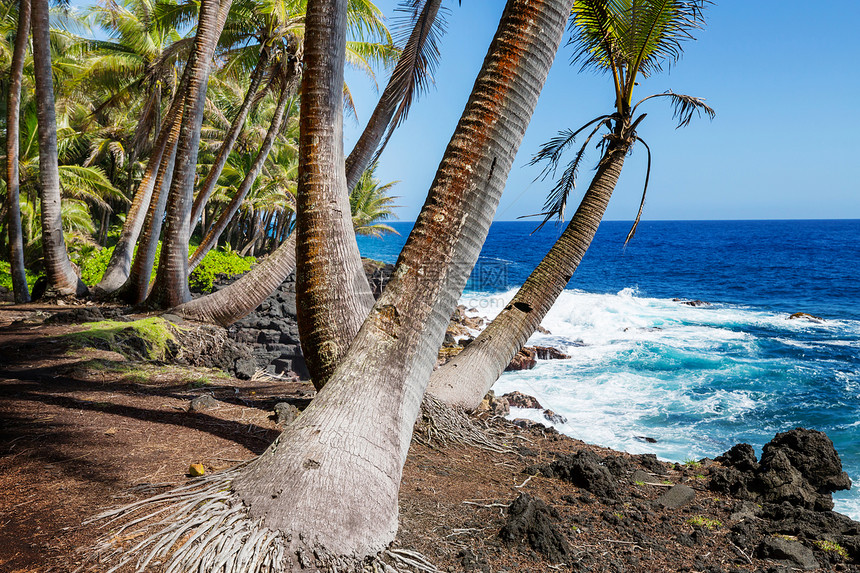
<point>171,279</point>
<point>466,378</point>
<point>333,475</point>
<point>119,265</point>
<point>366,147</point>
<point>13,205</point>
<point>333,296</point>
<point>211,238</point>
<point>62,279</point>
<point>235,301</point>
<point>230,139</point>
<point>136,287</point>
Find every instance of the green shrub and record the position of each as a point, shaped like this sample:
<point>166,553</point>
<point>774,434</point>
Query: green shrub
<point>6,276</point>
<point>217,263</point>
<point>92,261</point>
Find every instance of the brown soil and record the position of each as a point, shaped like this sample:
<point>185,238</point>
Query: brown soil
<point>84,430</point>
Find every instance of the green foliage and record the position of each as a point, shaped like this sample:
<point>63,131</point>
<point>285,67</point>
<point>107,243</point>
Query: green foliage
<point>831,547</point>
<point>93,261</point>
<point>6,276</point>
<point>691,463</point>
<point>149,338</point>
<point>704,522</point>
<point>216,263</point>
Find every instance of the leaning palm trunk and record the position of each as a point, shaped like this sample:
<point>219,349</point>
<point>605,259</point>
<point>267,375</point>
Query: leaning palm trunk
<point>400,86</point>
<point>328,485</point>
<point>466,378</point>
<point>238,299</point>
<point>171,280</point>
<point>118,268</point>
<point>214,233</point>
<point>332,293</point>
<point>230,139</point>
<point>136,287</point>
<point>13,206</point>
<point>62,279</point>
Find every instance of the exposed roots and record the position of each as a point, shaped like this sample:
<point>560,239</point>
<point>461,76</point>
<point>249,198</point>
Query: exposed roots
<point>442,424</point>
<point>204,527</point>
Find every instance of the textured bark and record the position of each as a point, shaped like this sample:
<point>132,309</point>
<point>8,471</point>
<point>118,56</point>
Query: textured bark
<point>13,205</point>
<point>118,268</point>
<point>214,233</point>
<point>171,280</point>
<point>230,139</point>
<point>366,147</point>
<point>238,299</point>
<point>466,378</point>
<point>333,295</point>
<point>136,287</point>
<point>333,475</point>
<point>62,279</point>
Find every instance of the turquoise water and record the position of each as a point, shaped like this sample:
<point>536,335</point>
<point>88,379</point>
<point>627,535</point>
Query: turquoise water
<point>697,379</point>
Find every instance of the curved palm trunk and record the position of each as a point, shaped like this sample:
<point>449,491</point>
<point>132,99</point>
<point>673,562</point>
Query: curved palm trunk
<point>136,286</point>
<point>332,293</point>
<point>62,279</point>
<point>212,236</point>
<point>333,475</point>
<point>171,279</point>
<point>465,379</point>
<point>13,205</point>
<point>118,268</point>
<point>366,147</point>
<point>240,298</point>
<point>230,139</point>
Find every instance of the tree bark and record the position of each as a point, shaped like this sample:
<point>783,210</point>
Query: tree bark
<point>13,206</point>
<point>136,287</point>
<point>238,299</point>
<point>211,238</point>
<point>366,147</point>
<point>171,279</point>
<point>62,279</point>
<point>118,268</point>
<point>333,296</point>
<point>465,379</point>
<point>333,475</point>
<point>230,139</point>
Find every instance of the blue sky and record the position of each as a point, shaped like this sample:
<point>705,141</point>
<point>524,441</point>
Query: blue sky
<point>782,77</point>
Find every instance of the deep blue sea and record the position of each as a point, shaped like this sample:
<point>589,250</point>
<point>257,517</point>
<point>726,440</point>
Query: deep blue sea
<point>698,379</point>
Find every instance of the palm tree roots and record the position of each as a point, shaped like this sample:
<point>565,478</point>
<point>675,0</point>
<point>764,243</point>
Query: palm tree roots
<point>442,424</point>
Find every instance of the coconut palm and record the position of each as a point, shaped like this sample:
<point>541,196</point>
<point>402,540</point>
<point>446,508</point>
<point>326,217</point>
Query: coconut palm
<point>370,204</point>
<point>627,39</point>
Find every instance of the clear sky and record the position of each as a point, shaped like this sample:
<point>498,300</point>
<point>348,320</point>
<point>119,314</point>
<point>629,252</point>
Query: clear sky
<point>781,75</point>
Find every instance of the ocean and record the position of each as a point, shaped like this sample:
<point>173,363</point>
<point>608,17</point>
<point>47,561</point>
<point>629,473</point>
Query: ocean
<point>696,379</point>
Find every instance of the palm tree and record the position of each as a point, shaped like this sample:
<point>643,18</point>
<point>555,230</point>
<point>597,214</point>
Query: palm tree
<point>328,485</point>
<point>627,40</point>
<point>13,205</point>
<point>61,276</point>
<point>370,204</point>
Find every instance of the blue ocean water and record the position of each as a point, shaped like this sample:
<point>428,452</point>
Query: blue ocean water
<point>697,379</point>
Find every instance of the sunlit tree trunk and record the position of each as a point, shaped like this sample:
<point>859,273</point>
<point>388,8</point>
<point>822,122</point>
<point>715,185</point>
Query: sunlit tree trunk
<point>230,139</point>
<point>62,279</point>
<point>332,478</point>
<point>211,238</point>
<point>465,379</point>
<point>171,280</point>
<point>333,296</point>
<point>13,206</point>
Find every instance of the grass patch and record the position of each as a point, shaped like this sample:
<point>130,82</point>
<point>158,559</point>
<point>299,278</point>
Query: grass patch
<point>147,339</point>
<point>691,463</point>
<point>704,522</point>
<point>831,547</point>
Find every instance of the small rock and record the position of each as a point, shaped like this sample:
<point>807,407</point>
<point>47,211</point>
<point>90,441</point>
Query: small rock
<point>806,316</point>
<point>677,496</point>
<point>640,476</point>
<point>646,439</point>
<point>495,406</point>
<point>543,330</point>
<point>530,520</point>
<point>549,353</point>
<point>525,359</point>
<point>285,413</point>
<point>520,400</point>
<point>554,418</point>
<point>787,550</point>
<point>201,403</point>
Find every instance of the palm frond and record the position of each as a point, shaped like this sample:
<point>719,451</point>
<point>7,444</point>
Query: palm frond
<point>644,191</point>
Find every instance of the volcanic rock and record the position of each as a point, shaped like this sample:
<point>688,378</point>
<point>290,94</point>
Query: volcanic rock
<point>530,520</point>
<point>520,400</point>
